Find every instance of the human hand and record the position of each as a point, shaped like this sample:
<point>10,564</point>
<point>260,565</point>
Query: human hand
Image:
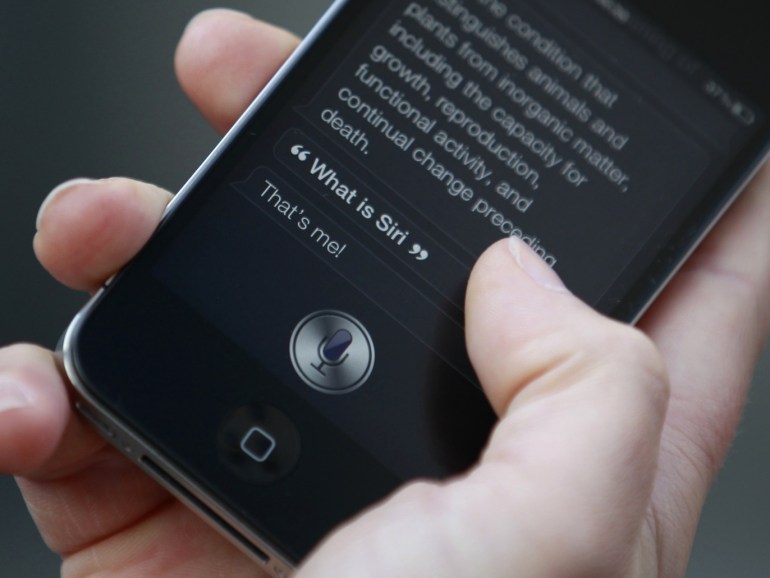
<point>608,440</point>
<point>569,485</point>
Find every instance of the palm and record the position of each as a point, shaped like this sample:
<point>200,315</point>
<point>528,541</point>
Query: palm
<point>110,519</point>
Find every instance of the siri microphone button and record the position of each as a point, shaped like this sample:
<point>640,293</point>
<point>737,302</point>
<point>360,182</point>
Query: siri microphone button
<point>332,352</point>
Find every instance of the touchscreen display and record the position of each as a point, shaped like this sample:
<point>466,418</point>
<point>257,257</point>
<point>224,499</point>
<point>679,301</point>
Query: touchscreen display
<point>409,140</point>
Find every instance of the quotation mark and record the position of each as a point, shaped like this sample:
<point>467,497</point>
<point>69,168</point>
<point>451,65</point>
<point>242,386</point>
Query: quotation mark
<point>419,253</point>
<point>300,152</point>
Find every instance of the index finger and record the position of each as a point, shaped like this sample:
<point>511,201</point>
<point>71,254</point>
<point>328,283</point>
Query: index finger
<point>225,58</point>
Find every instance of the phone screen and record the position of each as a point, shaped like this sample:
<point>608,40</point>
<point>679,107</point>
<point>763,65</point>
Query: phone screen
<point>329,244</point>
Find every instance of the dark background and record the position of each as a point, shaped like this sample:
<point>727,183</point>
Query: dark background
<point>87,89</point>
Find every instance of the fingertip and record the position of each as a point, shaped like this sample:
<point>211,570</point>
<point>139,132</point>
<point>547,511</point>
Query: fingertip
<point>213,14</point>
<point>34,409</point>
<point>225,58</point>
<point>506,311</point>
<point>535,265</point>
<point>510,280</point>
<point>49,199</point>
<point>87,230</point>
<point>512,261</point>
<point>524,328</point>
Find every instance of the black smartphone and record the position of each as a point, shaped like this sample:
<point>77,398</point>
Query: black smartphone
<point>288,348</point>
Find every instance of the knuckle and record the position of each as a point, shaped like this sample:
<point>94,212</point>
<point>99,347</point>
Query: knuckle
<point>628,357</point>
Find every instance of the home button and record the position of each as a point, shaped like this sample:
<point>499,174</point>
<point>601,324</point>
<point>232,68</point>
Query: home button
<point>259,443</point>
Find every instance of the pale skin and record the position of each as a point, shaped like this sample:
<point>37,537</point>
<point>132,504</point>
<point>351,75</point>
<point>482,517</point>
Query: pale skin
<point>609,438</point>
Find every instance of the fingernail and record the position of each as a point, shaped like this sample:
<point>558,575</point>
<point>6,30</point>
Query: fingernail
<point>13,395</point>
<point>537,269</point>
<point>55,193</point>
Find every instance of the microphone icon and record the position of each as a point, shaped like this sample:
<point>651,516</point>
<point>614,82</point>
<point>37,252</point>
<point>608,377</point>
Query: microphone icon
<point>332,351</point>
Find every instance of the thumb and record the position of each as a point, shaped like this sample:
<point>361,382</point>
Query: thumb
<point>527,333</point>
<point>564,485</point>
<point>583,399</point>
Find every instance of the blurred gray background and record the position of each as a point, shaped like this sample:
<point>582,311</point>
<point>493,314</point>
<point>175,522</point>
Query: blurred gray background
<point>87,88</point>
